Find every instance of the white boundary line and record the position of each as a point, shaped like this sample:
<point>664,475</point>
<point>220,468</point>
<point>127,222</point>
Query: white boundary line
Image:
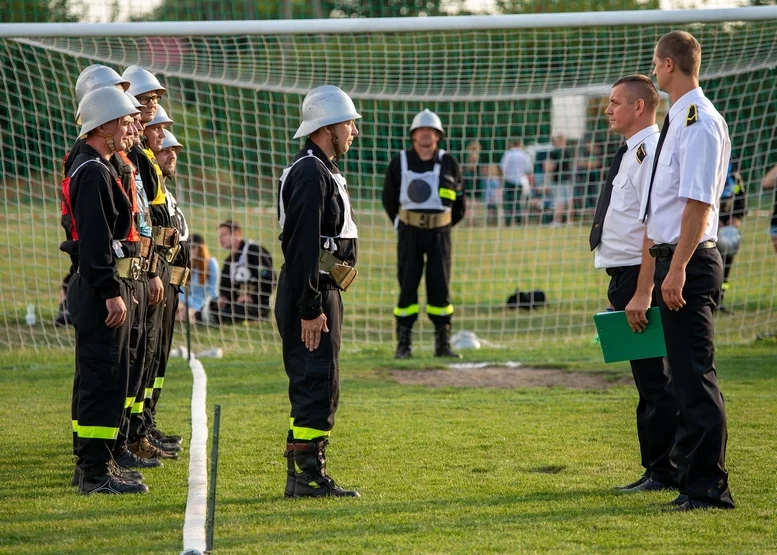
<point>197,501</point>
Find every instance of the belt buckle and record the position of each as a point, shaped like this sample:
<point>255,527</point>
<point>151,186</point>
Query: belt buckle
<point>423,219</point>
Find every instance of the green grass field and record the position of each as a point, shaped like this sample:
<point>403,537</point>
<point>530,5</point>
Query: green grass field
<point>441,470</point>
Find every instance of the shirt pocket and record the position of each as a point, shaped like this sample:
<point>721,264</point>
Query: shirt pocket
<point>665,169</point>
<point>622,193</point>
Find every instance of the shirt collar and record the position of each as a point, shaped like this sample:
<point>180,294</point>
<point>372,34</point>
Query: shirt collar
<point>318,153</point>
<point>683,102</point>
<point>637,138</point>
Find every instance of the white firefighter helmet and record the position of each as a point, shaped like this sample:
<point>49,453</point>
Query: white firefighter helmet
<point>97,75</point>
<point>160,117</point>
<point>465,340</point>
<point>171,142</point>
<point>142,81</point>
<point>325,105</point>
<point>103,105</point>
<point>135,101</point>
<point>729,239</point>
<point>427,118</point>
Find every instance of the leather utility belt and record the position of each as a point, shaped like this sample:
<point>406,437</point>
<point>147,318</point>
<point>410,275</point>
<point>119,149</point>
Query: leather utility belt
<point>340,272</point>
<point>166,240</point>
<point>425,220</point>
<point>150,258</point>
<point>666,250</point>
<point>178,275</point>
<point>129,268</point>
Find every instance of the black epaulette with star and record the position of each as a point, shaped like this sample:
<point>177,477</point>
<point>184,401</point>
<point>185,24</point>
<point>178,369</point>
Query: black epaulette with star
<point>641,153</point>
<point>693,115</point>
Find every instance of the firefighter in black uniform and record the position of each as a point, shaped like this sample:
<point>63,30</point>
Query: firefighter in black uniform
<point>94,77</point>
<point>147,89</point>
<point>105,248</point>
<point>166,153</point>
<point>319,262</point>
<point>423,197</point>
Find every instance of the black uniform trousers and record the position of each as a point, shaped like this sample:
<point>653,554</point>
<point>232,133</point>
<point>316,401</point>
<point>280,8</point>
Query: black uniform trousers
<point>166,333</point>
<point>689,333</point>
<point>657,407</point>
<point>137,354</point>
<point>101,374</point>
<point>415,244</point>
<point>314,377</point>
<point>142,419</point>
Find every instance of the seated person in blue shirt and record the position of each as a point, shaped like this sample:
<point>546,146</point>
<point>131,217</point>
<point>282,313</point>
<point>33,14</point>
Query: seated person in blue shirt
<point>203,281</point>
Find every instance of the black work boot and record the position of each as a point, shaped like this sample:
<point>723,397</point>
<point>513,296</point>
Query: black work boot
<point>404,339</point>
<point>442,342</point>
<point>291,478</point>
<point>126,474</point>
<point>104,482</point>
<point>311,477</point>
<point>161,437</point>
<point>126,459</point>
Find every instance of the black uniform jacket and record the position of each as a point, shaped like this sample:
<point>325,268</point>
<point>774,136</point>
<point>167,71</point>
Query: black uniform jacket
<point>102,213</point>
<point>450,177</point>
<point>313,209</point>
<point>159,214</point>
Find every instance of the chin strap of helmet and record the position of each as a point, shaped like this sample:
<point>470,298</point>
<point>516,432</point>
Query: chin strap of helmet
<point>335,142</point>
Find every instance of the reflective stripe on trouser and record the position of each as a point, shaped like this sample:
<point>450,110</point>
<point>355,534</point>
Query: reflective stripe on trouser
<point>137,356</point>
<point>102,371</point>
<point>141,421</point>
<point>163,347</point>
<point>314,381</point>
<point>300,432</point>
<point>413,245</point>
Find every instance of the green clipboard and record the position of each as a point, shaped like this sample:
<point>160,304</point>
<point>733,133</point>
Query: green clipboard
<point>619,343</point>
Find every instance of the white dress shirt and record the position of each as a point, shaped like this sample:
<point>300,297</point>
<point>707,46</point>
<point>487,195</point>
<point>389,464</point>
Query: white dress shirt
<point>623,230</point>
<point>516,166</point>
<point>692,165</point>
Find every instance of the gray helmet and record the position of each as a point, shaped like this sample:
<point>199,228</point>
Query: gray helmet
<point>729,239</point>
<point>97,75</point>
<point>465,339</point>
<point>171,142</point>
<point>325,105</point>
<point>142,81</point>
<point>103,105</point>
<point>427,118</point>
<point>160,117</point>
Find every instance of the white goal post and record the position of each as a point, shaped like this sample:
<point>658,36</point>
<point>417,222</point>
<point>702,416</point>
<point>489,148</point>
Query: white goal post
<point>235,90</point>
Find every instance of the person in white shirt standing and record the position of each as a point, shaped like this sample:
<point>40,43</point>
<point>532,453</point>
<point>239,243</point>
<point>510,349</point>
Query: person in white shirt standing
<point>681,209</point>
<point>617,239</point>
<point>518,177</point>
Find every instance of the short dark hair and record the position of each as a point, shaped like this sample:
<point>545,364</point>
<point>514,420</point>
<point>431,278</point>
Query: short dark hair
<point>232,226</point>
<point>684,50</point>
<point>197,239</point>
<point>640,87</point>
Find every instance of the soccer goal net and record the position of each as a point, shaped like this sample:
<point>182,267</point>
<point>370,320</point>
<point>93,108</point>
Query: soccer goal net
<point>235,90</point>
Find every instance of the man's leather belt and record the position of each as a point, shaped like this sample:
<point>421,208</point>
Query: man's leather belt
<point>618,270</point>
<point>178,275</point>
<point>339,271</point>
<point>129,268</point>
<point>167,240</point>
<point>145,246</point>
<point>425,220</point>
<point>666,250</point>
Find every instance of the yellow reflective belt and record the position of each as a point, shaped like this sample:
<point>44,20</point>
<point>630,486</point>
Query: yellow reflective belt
<point>149,391</point>
<point>128,402</point>
<point>97,432</point>
<point>406,311</point>
<point>158,383</point>
<point>439,310</point>
<point>450,194</point>
<point>306,433</point>
<point>74,423</point>
<point>137,408</point>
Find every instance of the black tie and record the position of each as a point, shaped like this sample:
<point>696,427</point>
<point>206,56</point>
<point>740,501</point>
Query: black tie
<point>604,199</point>
<point>661,138</point>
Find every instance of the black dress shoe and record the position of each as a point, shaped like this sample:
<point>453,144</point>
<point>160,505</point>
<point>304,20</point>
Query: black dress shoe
<point>642,479</point>
<point>679,500</point>
<point>695,505</point>
<point>649,485</point>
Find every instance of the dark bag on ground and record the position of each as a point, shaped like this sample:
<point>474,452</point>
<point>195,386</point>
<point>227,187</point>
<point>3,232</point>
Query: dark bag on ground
<point>526,300</point>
